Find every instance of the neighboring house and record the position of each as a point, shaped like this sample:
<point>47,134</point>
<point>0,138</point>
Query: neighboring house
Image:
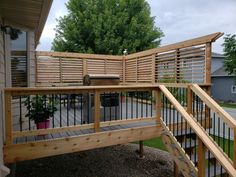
<point>223,85</point>
<point>17,57</point>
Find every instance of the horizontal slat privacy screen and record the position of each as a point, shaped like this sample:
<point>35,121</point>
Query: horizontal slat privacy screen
<point>67,70</point>
<point>184,62</point>
<point>185,65</point>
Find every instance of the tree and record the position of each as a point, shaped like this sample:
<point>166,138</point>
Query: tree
<point>106,27</point>
<point>230,54</point>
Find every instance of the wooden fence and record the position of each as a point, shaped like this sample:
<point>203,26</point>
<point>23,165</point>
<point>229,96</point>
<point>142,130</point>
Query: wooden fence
<point>184,62</point>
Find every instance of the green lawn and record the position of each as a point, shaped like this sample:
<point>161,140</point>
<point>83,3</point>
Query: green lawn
<point>155,142</point>
<point>228,105</point>
<point>228,143</point>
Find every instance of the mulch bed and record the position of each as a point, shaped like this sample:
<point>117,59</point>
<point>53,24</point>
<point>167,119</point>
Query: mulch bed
<point>115,161</point>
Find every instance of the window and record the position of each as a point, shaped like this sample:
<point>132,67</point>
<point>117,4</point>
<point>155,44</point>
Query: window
<point>233,88</point>
<point>19,61</point>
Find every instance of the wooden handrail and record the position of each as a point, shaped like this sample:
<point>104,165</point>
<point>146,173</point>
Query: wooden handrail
<point>213,105</point>
<point>225,162</point>
<point>17,91</point>
<point>79,55</point>
<point>179,45</point>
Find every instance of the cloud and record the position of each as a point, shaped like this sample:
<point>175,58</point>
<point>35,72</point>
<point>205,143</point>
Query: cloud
<point>185,19</point>
<point>179,20</point>
<point>58,9</point>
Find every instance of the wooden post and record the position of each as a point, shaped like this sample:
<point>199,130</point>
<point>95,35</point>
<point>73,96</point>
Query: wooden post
<point>124,70</point>
<point>201,158</point>
<point>105,66</point>
<point>97,111</point>
<point>208,64</point>
<point>176,170</point>
<point>141,149</point>
<point>60,70</point>
<point>177,66</point>
<point>8,118</point>
<point>153,69</point>
<point>158,106</point>
<point>234,152</point>
<point>190,101</point>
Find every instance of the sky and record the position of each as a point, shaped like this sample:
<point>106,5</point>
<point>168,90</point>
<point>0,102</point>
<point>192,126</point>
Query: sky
<point>178,19</point>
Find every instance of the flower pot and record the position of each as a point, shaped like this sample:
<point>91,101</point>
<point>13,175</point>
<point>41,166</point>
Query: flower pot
<point>43,125</point>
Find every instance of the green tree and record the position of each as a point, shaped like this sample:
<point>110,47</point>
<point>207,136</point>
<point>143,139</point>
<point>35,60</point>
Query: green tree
<point>106,27</point>
<point>230,54</point>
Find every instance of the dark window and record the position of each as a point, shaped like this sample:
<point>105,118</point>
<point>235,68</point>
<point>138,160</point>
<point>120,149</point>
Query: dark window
<point>19,61</point>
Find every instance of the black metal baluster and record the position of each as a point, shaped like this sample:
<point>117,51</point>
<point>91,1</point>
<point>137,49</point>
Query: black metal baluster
<point>223,137</point>
<point>20,114</point>
<point>229,148</point>
<point>81,109</point>
<point>116,95</point>
<point>141,104</point>
<point>53,116</point>
<point>74,109</point>
<point>89,104</point>
<point>67,110</point>
<point>146,94</point>
<point>110,103</point>
<point>151,104</point>
<point>126,105</point>
<point>60,112</point>
<point>132,94</point>
<point>137,96</point>
<point>104,108</point>
<point>29,122</point>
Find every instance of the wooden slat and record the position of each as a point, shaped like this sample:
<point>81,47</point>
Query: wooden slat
<point>214,149</point>
<point>78,55</point>
<point>28,151</point>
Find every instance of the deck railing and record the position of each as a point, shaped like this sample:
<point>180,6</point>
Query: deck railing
<point>76,108</point>
<point>185,110</point>
<point>184,62</point>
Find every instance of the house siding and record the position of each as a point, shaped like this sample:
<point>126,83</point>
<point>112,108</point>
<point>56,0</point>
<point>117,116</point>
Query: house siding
<point>221,89</point>
<point>2,85</point>
<point>216,63</point>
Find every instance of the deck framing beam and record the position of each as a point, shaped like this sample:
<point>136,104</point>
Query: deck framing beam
<point>34,150</point>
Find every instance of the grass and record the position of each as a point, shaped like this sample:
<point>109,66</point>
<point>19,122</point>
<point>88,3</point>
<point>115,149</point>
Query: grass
<point>228,143</point>
<point>228,105</point>
<point>155,143</point>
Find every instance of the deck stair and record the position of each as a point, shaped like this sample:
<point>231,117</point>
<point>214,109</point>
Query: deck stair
<point>192,155</point>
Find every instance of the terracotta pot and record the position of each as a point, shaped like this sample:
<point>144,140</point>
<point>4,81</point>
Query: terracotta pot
<point>43,125</point>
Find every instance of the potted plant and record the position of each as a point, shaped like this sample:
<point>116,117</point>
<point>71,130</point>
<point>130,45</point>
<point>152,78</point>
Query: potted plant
<point>40,109</point>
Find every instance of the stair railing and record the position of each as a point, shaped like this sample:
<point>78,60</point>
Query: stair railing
<point>223,126</point>
<point>205,142</point>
